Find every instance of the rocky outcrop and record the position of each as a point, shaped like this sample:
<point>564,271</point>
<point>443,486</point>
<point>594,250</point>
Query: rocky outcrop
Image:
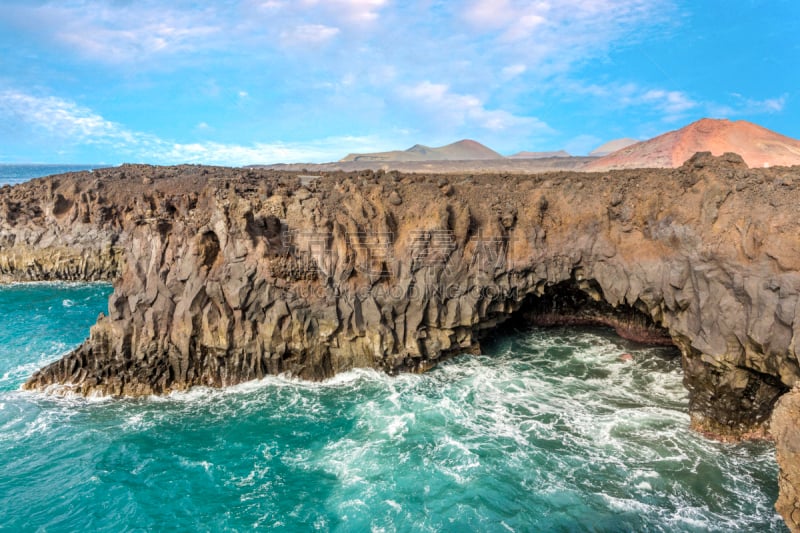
<point>785,428</point>
<point>61,229</point>
<point>75,226</point>
<point>231,275</point>
<point>239,278</point>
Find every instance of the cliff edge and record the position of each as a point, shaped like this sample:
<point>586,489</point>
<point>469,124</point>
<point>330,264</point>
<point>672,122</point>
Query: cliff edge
<point>228,275</point>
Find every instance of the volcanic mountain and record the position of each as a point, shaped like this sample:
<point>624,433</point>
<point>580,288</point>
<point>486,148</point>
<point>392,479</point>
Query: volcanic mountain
<point>465,150</point>
<point>612,146</point>
<point>758,146</point>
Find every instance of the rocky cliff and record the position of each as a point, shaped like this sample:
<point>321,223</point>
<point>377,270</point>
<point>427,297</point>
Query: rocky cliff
<point>64,228</point>
<point>229,275</point>
<point>785,428</point>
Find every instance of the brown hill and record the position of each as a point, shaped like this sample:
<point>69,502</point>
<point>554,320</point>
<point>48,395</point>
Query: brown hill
<point>758,146</point>
<point>612,146</point>
<point>465,150</point>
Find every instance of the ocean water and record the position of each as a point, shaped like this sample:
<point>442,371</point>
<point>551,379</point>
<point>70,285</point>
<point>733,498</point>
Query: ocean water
<point>550,430</point>
<point>13,174</point>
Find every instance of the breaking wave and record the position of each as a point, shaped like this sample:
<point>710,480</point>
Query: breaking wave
<point>549,430</point>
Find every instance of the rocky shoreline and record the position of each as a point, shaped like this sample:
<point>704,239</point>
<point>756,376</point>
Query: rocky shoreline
<point>227,275</point>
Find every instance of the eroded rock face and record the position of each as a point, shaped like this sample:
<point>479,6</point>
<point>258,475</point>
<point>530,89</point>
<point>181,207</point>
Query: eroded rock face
<point>785,428</point>
<point>228,278</point>
<point>229,275</point>
<point>61,229</point>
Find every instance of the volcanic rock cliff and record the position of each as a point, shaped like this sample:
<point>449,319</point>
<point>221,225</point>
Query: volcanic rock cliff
<point>224,275</point>
<point>64,228</point>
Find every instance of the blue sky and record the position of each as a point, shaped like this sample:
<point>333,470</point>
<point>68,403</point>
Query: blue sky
<point>263,81</point>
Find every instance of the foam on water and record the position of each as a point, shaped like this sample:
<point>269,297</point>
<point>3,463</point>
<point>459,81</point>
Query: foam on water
<point>550,430</point>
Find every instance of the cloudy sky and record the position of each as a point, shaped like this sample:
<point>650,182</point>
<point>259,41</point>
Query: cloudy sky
<point>262,81</point>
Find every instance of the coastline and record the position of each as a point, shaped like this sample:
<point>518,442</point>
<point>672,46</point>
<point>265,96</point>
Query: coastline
<point>228,275</point>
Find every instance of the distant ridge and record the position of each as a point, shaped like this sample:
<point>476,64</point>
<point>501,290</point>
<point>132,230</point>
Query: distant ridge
<point>758,146</point>
<point>612,146</point>
<point>464,150</point>
<point>539,155</point>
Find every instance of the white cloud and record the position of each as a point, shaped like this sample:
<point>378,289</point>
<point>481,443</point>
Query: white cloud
<point>327,149</point>
<point>489,15</point>
<point>673,104</point>
<point>770,105</point>
<point>308,35</point>
<point>512,71</point>
<point>456,110</point>
<point>133,43</point>
<point>552,38</point>
<point>59,122</point>
<point>524,27</point>
<point>57,117</point>
<point>501,39</point>
<point>356,11</point>
<point>119,33</point>
<point>567,20</point>
<point>748,106</point>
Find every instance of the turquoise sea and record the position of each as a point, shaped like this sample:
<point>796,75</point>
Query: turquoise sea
<point>549,430</point>
<point>13,174</point>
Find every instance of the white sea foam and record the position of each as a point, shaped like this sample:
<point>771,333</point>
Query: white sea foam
<point>398,425</point>
<point>394,505</point>
<point>54,284</point>
<point>138,422</point>
<point>66,395</point>
<point>202,394</point>
<point>477,439</point>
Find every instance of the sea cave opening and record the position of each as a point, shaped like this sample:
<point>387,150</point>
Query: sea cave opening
<point>573,303</point>
<point>580,305</point>
<point>724,404</point>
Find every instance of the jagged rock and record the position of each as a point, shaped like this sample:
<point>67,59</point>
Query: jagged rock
<point>302,194</point>
<point>785,428</point>
<point>223,277</point>
<point>394,198</point>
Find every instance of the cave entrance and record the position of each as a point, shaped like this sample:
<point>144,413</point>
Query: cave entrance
<point>564,313</point>
<point>568,304</point>
<point>610,356</point>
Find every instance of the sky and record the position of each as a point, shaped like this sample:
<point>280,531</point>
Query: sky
<point>265,81</point>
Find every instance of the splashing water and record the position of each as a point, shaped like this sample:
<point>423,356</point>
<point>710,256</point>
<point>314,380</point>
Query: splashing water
<point>550,430</point>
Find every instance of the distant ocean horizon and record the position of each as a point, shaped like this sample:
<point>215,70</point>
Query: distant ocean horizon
<point>20,173</point>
